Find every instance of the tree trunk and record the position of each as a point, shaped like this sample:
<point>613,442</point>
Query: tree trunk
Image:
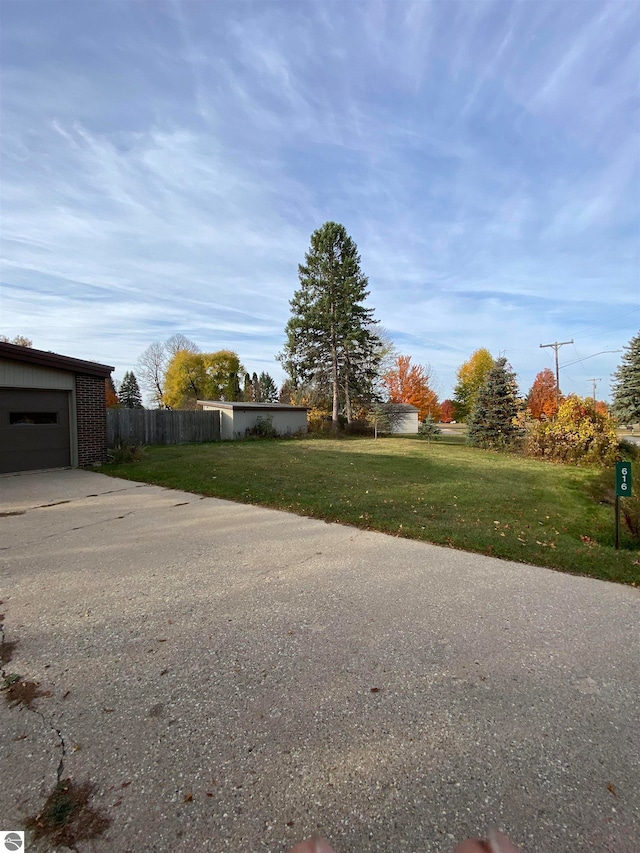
<point>335,370</point>
<point>336,398</point>
<point>347,402</point>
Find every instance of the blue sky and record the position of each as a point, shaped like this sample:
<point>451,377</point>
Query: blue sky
<point>165,163</point>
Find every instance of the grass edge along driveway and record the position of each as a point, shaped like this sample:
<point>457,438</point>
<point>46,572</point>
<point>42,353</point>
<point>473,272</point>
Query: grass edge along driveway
<point>445,493</point>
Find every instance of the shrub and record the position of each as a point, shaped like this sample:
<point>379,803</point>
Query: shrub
<point>358,427</point>
<point>125,453</point>
<point>318,420</point>
<point>580,434</point>
<point>263,428</point>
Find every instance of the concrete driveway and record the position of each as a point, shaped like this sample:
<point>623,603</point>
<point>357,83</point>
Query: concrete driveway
<point>234,678</point>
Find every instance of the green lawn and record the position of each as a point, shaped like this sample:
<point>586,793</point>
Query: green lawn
<point>442,492</point>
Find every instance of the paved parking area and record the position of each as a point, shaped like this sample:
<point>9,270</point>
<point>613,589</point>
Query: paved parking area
<point>235,678</point>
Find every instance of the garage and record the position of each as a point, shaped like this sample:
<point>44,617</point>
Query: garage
<point>34,430</point>
<point>52,410</point>
<point>238,419</point>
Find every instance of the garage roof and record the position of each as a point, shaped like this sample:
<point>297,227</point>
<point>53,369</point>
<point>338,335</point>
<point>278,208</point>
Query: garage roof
<point>52,359</point>
<point>399,407</point>
<point>277,407</point>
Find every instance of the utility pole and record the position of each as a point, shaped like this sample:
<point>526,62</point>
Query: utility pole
<point>594,388</point>
<point>556,346</point>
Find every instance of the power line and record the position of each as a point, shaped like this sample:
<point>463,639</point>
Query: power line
<point>556,346</point>
<point>594,380</point>
<point>580,360</point>
<point>611,325</point>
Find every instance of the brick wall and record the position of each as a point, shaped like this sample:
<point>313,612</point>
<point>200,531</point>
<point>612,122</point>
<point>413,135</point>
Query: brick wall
<point>92,419</point>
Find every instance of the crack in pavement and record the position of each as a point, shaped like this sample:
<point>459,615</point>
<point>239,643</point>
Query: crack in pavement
<point>48,723</point>
<point>24,510</point>
<point>69,530</point>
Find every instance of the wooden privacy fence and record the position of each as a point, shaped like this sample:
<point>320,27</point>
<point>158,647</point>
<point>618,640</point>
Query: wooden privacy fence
<point>157,426</point>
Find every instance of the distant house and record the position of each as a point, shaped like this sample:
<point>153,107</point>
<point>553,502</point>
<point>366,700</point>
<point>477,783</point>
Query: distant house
<point>236,419</point>
<point>403,418</point>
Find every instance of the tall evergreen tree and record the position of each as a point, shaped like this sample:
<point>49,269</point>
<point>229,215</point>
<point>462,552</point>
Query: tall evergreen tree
<point>256,391</point>
<point>129,392</point>
<point>491,423</point>
<point>268,389</point>
<point>331,338</point>
<point>626,384</point>
<point>248,390</point>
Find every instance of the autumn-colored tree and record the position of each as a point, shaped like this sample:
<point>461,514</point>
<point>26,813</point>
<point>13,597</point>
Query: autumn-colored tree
<point>447,411</point>
<point>110,396</point>
<point>195,376</point>
<point>471,377</point>
<point>542,400</point>
<point>407,383</point>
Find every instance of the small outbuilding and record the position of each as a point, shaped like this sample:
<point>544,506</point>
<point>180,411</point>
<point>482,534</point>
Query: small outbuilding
<point>403,418</point>
<point>52,410</point>
<point>238,419</point>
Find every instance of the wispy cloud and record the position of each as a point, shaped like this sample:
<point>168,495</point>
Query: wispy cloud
<point>165,164</point>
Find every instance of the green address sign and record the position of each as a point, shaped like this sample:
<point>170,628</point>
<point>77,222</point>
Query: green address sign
<point>623,479</point>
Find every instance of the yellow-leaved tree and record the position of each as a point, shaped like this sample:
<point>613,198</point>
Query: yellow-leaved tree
<point>471,377</point>
<point>193,376</point>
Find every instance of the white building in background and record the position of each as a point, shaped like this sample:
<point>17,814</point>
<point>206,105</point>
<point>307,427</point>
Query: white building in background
<point>236,419</point>
<point>404,418</point>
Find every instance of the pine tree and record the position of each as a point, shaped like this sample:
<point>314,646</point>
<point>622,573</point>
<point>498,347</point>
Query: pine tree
<point>256,391</point>
<point>268,389</point>
<point>129,392</point>
<point>331,340</point>
<point>247,391</point>
<point>626,385</point>
<point>491,423</point>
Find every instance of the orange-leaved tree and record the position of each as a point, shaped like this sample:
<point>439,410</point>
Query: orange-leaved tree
<point>447,411</point>
<point>543,396</point>
<point>409,383</point>
<point>110,396</point>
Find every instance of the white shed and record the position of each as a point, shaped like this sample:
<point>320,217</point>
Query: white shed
<point>237,418</point>
<point>403,417</point>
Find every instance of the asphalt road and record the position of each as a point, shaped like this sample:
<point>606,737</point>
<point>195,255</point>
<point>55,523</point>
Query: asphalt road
<point>235,678</point>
